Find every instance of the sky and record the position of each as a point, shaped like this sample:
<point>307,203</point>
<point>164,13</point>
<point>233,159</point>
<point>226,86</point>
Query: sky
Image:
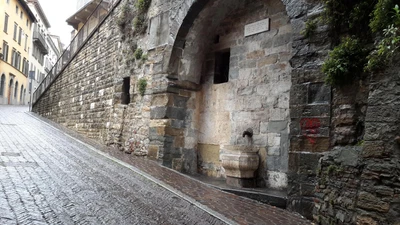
<point>57,12</point>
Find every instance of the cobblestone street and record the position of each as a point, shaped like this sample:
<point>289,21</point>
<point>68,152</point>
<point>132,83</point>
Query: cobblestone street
<point>48,177</point>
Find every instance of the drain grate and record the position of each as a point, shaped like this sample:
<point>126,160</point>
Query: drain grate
<point>11,154</point>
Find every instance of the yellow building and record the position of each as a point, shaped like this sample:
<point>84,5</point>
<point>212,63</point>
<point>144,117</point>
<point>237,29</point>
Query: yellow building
<point>15,40</point>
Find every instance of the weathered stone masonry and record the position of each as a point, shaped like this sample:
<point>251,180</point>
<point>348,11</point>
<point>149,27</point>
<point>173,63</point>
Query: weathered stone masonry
<point>275,87</point>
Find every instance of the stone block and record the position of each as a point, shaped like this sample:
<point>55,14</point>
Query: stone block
<point>309,144</point>
<point>279,114</point>
<point>274,139</point>
<point>159,100</point>
<point>369,201</point>
<point>283,39</point>
<point>277,126</point>
<point>255,54</point>
<point>274,151</point>
<point>304,163</point>
<point>153,152</point>
<point>310,111</point>
<point>176,113</point>
<point>158,113</point>
<point>268,60</point>
<point>374,150</point>
<point>319,93</point>
<point>179,101</point>
<point>387,113</point>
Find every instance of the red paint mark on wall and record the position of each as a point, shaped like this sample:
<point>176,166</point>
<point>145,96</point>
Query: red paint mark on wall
<point>309,128</point>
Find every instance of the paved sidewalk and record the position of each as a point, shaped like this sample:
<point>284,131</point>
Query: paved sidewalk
<point>48,177</point>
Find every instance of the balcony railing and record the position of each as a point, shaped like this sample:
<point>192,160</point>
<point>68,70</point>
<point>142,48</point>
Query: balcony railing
<point>40,41</point>
<point>47,66</point>
<point>103,9</point>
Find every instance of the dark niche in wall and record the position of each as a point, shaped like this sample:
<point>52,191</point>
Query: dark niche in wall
<point>126,97</point>
<point>221,73</point>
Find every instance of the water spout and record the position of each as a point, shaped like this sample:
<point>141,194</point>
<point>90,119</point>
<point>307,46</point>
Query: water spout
<point>248,133</point>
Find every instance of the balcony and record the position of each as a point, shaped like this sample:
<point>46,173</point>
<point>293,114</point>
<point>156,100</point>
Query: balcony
<point>40,41</point>
<point>48,66</point>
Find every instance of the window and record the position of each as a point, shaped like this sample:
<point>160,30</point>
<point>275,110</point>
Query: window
<point>126,97</point>
<point>27,68</point>
<point>16,9</point>
<point>26,41</point>
<point>16,59</point>
<point>27,23</point>
<point>8,1</point>
<point>2,83</point>
<point>20,36</point>
<point>5,51</point>
<point>5,23</point>
<point>15,31</point>
<point>18,63</point>
<point>24,66</point>
<point>221,73</point>
<point>13,55</point>
<point>16,90</point>
<point>21,15</point>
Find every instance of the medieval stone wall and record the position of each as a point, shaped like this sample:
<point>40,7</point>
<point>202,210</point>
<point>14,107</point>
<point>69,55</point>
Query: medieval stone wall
<point>360,185</point>
<point>275,87</point>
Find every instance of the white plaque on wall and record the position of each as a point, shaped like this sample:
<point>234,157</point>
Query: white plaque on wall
<point>256,28</point>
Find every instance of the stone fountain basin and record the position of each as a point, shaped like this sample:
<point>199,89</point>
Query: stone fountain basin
<point>239,161</point>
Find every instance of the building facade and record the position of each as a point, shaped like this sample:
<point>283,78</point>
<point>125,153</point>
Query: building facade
<point>39,52</point>
<point>16,24</point>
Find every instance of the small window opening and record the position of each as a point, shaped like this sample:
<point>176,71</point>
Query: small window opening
<point>221,73</point>
<point>126,97</point>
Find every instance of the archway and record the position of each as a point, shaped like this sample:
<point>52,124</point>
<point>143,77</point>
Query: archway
<point>2,84</point>
<point>249,44</point>
<point>10,91</point>
<point>21,95</point>
<point>16,93</point>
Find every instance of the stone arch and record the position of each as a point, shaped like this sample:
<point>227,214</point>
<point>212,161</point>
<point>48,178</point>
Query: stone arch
<point>2,84</point>
<point>23,99</point>
<point>21,95</point>
<point>248,100</point>
<point>16,91</point>
<point>10,90</point>
<point>191,9</point>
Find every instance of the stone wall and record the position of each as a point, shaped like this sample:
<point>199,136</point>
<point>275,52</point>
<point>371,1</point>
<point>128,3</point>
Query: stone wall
<point>360,185</point>
<point>173,121</point>
<point>275,87</point>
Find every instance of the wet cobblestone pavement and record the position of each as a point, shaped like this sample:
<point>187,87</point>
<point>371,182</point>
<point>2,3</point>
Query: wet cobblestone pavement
<point>49,177</point>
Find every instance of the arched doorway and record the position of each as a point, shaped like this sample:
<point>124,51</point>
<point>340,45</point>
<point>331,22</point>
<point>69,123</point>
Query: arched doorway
<point>21,95</point>
<point>233,57</point>
<point>10,91</point>
<point>2,88</point>
<point>16,93</point>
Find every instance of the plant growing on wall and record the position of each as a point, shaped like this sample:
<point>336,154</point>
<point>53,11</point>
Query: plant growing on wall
<point>139,21</point>
<point>123,16</point>
<point>138,53</point>
<point>142,85</point>
<point>365,34</point>
<point>143,5</point>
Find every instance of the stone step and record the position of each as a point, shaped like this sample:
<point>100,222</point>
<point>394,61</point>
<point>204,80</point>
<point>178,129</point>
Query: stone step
<point>269,197</point>
<point>277,198</point>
